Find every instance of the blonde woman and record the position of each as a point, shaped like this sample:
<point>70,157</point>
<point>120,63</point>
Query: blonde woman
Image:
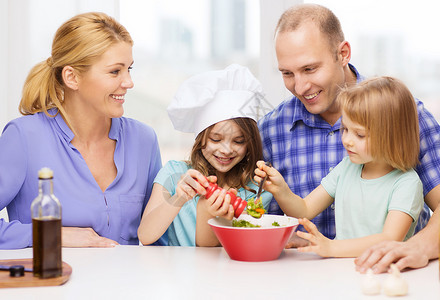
<point>104,164</point>
<point>376,192</point>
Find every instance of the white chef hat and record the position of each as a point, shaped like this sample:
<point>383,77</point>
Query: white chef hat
<point>214,96</point>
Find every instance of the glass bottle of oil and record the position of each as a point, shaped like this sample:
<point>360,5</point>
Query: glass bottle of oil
<point>46,228</point>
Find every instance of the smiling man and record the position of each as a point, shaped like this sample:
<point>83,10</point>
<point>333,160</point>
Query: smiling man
<point>302,136</point>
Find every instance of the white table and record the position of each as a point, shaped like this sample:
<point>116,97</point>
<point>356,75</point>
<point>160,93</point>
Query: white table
<point>130,272</point>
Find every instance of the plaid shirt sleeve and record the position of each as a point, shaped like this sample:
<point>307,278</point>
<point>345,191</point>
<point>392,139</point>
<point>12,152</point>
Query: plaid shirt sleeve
<point>429,167</point>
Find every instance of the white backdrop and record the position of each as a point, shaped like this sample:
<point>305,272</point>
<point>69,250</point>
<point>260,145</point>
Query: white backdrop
<point>26,32</point>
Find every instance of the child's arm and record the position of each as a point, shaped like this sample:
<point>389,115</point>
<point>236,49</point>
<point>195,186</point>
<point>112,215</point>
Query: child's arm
<point>414,253</point>
<point>216,205</point>
<point>162,208</point>
<point>292,204</point>
<point>396,227</point>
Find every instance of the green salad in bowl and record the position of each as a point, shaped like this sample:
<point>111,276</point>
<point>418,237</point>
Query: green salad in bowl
<point>260,239</point>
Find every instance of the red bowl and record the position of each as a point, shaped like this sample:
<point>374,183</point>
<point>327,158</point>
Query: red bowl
<point>254,244</point>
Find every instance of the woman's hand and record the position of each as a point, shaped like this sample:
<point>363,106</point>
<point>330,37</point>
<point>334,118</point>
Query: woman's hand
<point>318,243</point>
<point>77,237</point>
<point>191,184</point>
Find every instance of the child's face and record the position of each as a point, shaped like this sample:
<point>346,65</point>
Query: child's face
<point>354,139</point>
<point>225,146</point>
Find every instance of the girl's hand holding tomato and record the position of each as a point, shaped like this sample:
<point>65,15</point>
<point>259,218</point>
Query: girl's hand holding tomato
<point>191,184</point>
<point>219,204</point>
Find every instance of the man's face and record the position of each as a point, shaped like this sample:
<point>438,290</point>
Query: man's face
<point>311,70</point>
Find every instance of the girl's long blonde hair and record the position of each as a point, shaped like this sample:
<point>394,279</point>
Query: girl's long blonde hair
<point>387,110</point>
<point>242,173</point>
<point>78,43</point>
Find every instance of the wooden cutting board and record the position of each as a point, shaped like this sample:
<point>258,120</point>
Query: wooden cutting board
<point>28,279</point>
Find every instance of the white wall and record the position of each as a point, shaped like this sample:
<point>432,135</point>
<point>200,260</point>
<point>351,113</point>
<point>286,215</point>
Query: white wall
<point>3,62</point>
<point>270,76</point>
<point>24,23</point>
<point>23,27</point>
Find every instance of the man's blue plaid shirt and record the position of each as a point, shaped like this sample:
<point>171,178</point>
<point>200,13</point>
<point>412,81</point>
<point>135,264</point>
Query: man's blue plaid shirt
<point>304,149</point>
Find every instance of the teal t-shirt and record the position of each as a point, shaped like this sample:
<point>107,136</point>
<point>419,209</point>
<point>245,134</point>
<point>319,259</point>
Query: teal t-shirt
<point>361,205</point>
<point>182,231</point>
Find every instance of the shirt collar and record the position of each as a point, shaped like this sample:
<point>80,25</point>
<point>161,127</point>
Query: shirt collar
<point>300,113</point>
<point>359,77</point>
<point>69,135</point>
<point>115,129</point>
<point>65,130</point>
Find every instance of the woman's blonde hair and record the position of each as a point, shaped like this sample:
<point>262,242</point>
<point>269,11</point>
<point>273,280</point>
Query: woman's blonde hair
<point>78,43</point>
<point>242,173</point>
<point>387,110</point>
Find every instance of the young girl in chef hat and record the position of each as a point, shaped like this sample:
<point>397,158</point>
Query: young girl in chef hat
<point>220,108</point>
<point>377,194</point>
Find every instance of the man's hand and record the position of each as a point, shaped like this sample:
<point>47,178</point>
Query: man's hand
<point>296,242</point>
<point>382,255</point>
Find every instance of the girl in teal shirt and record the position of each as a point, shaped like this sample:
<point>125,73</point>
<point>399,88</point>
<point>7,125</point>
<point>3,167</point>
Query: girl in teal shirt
<point>219,107</point>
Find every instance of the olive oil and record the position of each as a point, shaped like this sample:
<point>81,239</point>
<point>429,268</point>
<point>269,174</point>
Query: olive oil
<point>46,228</point>
<point>47,247</point>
